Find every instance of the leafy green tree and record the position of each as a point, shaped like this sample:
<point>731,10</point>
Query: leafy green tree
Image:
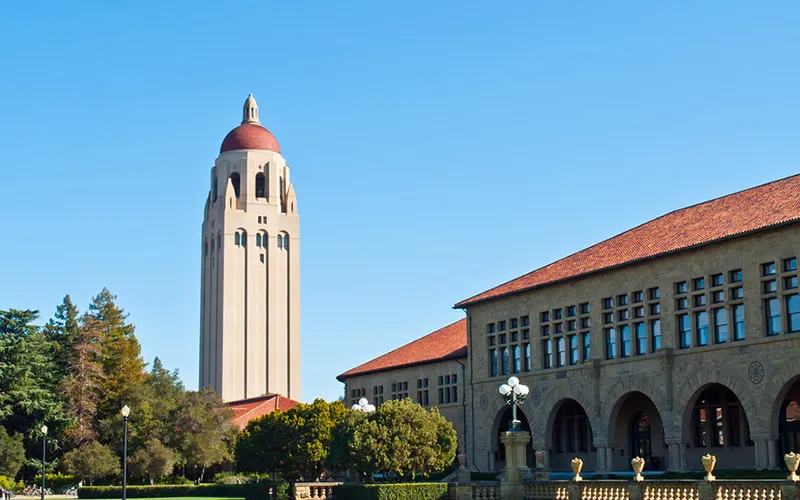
<point>152,461</point>
<point>29,395</point>
<point>91,461</point>
<point>204,433</point>
<point>82,382</point>
<point>120,355</point>
<point>343,449</point>
<point>12,453</point>
<point>262,445</point>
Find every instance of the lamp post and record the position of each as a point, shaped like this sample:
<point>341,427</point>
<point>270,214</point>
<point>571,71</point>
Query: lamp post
<point>44,455</point>
<point>363,406</point>
<point>514,393</point>
<point>125,412</point>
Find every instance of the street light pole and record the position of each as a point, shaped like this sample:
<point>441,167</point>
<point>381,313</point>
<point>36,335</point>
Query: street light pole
<point>125,412</point>
<point>44,456</point>
<point>515,394</point>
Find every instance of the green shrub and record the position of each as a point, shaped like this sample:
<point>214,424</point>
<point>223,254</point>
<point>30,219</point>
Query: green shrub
<point>401,491</point>
<point>250,491</point>
<point>174,480</point>
<point>57,483</point>
<point>7,483</point>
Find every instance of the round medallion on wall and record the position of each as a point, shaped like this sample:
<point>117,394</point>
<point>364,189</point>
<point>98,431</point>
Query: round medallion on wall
<point>536,396</point>
<point>483,402</point>
<point>755,372</point>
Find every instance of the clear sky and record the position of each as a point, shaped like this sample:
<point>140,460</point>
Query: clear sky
<point>437,148</point>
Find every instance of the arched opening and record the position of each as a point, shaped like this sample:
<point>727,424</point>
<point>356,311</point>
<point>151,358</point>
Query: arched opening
<point>286,242</point>
<point>570,437</point>
<point>636,429</point>
<point>717,423</point>
<point>258,240</point>
<point>261,185</point>
<point>502,425</point>
<point>789,419</point>
<point>236,240</point>
<point>236,181</point>
<point>280,241</point>
<point>244,239</point>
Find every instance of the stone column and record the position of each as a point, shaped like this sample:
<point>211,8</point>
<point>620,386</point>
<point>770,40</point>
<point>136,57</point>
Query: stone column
<point>602,466</point>
<point>511,486</point>
<point>682,457</point>
<point>772,453</point>
<point>609,459</point>
<point>674,456</point>
<point>760,451</point>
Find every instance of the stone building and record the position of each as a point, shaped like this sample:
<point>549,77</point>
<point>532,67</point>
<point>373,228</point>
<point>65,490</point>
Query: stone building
<point>677,338</point>
<point>250,297</point>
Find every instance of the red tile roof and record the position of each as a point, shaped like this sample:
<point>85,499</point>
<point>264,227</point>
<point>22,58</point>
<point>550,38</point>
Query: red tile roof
<point>246,410</point>
<point>447,343</point>
<point>759,208</point>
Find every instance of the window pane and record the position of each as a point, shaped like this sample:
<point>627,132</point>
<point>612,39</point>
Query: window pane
<point>736,276</point>
<point>504,361</point>
<point>574,353</point>
<point>720,325</point>
<point>547,353</point>
<point>562,355</point>
<point>527,359</point>
<point>773,309</point>
<point>738,322</point>
<point>684,331</point>
<point>517,365</point>
<point>701,323</point>
<point>586,346</point>
<point>625,340</point>
<point>611,343</point>
<point>793,310</point>
<point>641,338</point>
<point>493,362</point>
<point>655,333</point>
<point>790,264</point>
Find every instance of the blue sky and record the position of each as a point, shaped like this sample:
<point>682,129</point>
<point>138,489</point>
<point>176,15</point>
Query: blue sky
<point>437,148</point>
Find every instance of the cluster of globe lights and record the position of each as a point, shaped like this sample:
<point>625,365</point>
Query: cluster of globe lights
<point>363,406</point>
<point>515,393</point>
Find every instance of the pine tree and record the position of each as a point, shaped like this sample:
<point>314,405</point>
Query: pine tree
<point>120,355</point>
<point>61,331</point>
<point>83,380</point>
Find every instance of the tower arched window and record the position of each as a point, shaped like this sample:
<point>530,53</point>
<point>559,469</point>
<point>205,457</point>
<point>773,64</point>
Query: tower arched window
<point>258,240</point>
<point>286,242</point>
<point>236,181</point>
<point>236,238</point>
<point>280,241</point>
<point>244,239</point>
<point>261,184</point>
<point>214,189</point>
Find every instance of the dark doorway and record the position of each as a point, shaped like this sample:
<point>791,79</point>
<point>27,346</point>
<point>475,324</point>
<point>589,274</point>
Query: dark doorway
<point>641,442</point>
<point>505,425</point>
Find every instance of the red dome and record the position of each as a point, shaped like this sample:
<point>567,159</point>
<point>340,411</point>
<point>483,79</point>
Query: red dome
<point>249,136</point>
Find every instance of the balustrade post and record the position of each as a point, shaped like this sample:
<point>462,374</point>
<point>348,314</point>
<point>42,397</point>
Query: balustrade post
<point>706,490</point>
<point>635,490</point>
<point>574,491</point>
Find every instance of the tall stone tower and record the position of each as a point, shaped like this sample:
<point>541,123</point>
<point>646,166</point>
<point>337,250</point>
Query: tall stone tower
<point>250,309</point>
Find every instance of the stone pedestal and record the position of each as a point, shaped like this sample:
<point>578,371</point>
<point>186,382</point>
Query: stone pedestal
<point>516,463</point>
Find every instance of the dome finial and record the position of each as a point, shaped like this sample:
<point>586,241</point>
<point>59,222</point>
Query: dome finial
<point>250,111</point>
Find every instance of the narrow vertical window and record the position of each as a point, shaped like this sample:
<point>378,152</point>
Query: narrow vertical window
<point>793,312</point>
<point>504,361</point>
<point>236,237</point>
<point>655,334</point>
<point>260,185</point>
<point>773,309</point>
<point>280,241</point>
<point>286,242</point>
<point>586,346</point>
<point>684,331</point>
<point>625,341</point>
<point>527,357</point>
<point>258,240</point>
<point>738,321</point>
<point>561,355</point>
<point>493,362</point>
<point>547,353</point>
<point>236,181</point>
<point>244,239</point>
<point>701,325</point>
<point>611,343</point>
<point>516,365</point>
<point>641,338</point>
<point>720,325</point>
<point>574,352</point>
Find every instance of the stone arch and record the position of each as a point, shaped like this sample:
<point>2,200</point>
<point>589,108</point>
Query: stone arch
<point>692,388</point>
<point>615,398</point>
<point>774,391</point>
<point>551,402</point>
<point>498,409</point>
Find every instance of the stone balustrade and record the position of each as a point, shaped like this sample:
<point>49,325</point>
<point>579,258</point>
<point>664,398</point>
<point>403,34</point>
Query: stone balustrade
<point>670,490</point>
<point>485,491</point>
<point>546,491</point>
<point>321,491</point>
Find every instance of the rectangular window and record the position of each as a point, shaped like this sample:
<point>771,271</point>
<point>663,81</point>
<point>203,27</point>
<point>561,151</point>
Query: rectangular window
<point>699,284</point>
<point>501,339</point>
<point>701,324</point>
<point>770,286</point>
<point>641,338</point>
<point>773,309</point>
<point>789,265</point>
<point>558,328</point>
<point>493,362</point>
<point>545,317</point>
<point>625,340</point>
<point>585,308</point>
<point>607,303</point>
<point>490,328</point>
<point>557,313</point>
<point>638,296</point>
<point>736,276</point>
<point>716,279</point>
<point>441,395</point>
<point>638,312</point>
<point>622,315</point>
<point>514,336</point>
<point>720,325</point>
<point>454,391</point>
<point>501,326</point>
<point>547,353</point>
<point>572,325</point>
<point>574,352</point>
<point>561,352</point>
<point>570,311</point>
<point>699,300</point>
<point>718,296</point>
<point>608,318</point>
<point>587,345</point>
<point>513,322</point>
<point>737,293</point>
<point>738,321</point>
<point>793,312</point>
<point>611,343</point>
<point>790,283</point>
<point>680,287</point>
<point>526,348</point>
<point>526,334</point>
<point>525,320</point>
<point>516,357</point>
<point>655,309</point>
<point>655,334</point>
<point>652,293</point>
<point>546,330</point>
<point>622,300</point>
<point>684,331</point>
<point>504,361</point>
<point>681,304</point>
<point>768,269</point>
<point>585,322</point>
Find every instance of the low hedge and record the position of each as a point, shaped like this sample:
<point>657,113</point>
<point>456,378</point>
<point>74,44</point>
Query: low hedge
<point>394,491</point>
<point>58,483</point>
<point>250,491</point>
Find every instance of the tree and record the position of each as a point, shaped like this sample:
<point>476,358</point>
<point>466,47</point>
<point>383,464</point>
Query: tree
<point>61,330</point>
<point>82,381</point>
<point>295,442</point>
<point>29,395</point>
<point>152,461</point>
<point>120,355</point>
<point>12,453</point>
<point>203,428</point>
<point>91,461</point>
